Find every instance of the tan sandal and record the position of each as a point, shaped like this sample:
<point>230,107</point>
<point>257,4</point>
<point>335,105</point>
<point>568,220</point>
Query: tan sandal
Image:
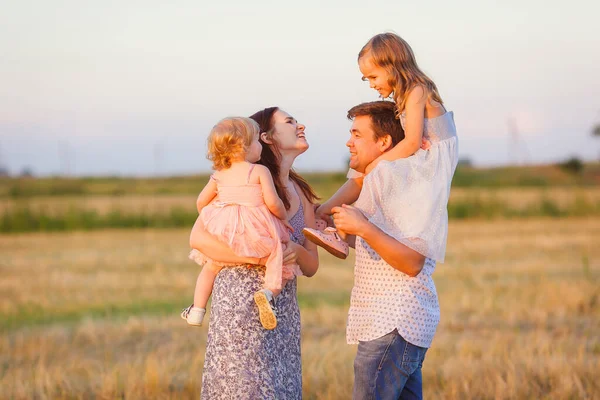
<point>266,314</point>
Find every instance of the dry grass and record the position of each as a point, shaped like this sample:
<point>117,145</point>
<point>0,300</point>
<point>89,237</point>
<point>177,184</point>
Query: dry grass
<point>104,204</point>
<point>518,198</point>
<point>94,315</point>
<point>50,214</point>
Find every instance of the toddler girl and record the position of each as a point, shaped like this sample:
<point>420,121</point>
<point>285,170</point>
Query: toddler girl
<point>247,214</point>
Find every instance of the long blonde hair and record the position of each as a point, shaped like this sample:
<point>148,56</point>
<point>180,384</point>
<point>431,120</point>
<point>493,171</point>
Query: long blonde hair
<point>392,53</point>
<point>229,140</point>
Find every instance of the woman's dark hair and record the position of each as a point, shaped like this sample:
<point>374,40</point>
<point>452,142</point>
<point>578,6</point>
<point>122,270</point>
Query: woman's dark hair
<point>270,158</point>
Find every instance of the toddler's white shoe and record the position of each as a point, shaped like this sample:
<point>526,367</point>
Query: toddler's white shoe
<point>193,315</point>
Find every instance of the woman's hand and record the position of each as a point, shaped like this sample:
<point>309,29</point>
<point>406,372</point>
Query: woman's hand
<point>349,219</point>
<point>290,251</point>
<point>288,225</point>
<point>212,247</point>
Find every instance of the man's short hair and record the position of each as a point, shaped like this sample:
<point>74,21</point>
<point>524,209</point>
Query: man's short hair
<point>383,119</point>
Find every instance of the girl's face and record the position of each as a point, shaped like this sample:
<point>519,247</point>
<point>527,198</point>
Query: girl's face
<point>288,133</point>
<point>254,150</point>
<point>377,76</point>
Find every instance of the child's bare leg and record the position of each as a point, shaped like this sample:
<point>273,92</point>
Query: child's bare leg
<point>204,284</point>
<point>194,314</point>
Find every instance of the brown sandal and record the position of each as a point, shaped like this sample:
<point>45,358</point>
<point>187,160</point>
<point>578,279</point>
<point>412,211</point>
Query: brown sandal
<point>268,318</point>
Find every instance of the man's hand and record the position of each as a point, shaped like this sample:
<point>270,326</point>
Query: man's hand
<point>349,219</point>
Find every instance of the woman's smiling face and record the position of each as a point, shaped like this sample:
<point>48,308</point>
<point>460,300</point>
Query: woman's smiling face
<point>288,134</point>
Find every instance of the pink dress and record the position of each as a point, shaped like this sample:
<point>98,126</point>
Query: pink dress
<point>240,218</point>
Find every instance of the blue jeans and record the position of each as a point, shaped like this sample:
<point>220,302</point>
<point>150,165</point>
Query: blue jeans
<point>388,368</point>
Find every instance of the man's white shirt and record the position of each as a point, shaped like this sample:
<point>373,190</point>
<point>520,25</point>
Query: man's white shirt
<point>383,298</point>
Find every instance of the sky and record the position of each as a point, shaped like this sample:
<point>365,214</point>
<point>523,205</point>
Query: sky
<point>132,88</point>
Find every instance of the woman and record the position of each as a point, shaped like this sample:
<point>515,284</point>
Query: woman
<point>244,360</point>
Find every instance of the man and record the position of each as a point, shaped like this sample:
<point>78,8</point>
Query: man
<point>394,309</point>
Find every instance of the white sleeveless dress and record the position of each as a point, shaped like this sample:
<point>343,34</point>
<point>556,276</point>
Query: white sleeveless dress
<point>416,190</point>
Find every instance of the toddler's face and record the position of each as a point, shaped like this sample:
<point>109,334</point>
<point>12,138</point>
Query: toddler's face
<point>377,76</point>
<point>253,153</point>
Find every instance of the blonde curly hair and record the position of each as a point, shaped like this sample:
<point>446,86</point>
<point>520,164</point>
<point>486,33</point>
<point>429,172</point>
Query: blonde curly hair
<point>229,140</point>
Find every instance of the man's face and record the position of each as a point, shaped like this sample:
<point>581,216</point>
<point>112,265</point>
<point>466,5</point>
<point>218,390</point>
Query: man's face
<point>362,144</point>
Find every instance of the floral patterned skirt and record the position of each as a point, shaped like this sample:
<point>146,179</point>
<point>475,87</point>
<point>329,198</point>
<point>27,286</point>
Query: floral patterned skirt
<point>244,360</point>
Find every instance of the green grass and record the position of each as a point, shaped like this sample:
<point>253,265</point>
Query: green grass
<point>35,316</point>
<point>526,176</point>
<point>112,186</point>
<point>31,317</point>
<point>25,204</point>
<point>324,183</point>
<point>545,207</point>
<point>26,218</point>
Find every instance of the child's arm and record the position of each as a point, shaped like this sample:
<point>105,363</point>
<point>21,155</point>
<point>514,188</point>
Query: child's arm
<point>347,194</point>
<point>272,200</point>
<point>206,195</point>
<point>413,134</point>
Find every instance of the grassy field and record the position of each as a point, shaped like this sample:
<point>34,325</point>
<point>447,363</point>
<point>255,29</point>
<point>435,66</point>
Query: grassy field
<point>465,176</point>
<point>95,315</point>
<point>512,198</point>
<point>61,204</point>
<point>64,213</point>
